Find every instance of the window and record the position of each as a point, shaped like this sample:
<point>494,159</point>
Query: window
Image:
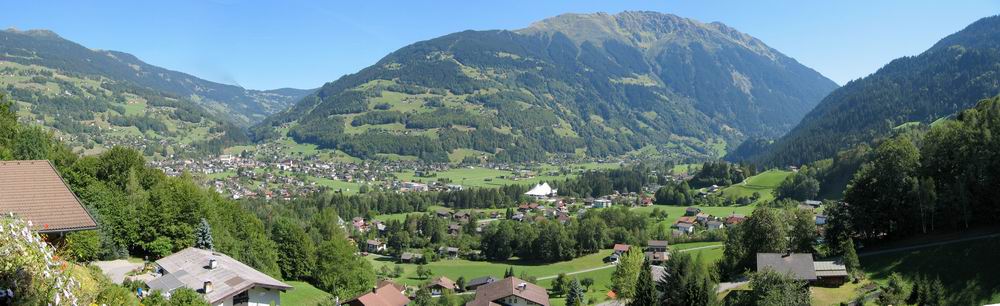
<point>241,298</point>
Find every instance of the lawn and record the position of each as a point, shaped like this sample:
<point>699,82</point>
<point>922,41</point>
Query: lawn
<point>969,264</point>
<point>455,268</point>
<point>303,293</point>
<point>823,296</point>
<point>345,187</point>
<point>763,184</point>
<point>674,212</point>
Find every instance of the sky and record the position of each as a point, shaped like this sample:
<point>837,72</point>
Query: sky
<point>303,44</point>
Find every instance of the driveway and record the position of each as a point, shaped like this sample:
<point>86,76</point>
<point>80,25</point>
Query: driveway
<point>116,269</point>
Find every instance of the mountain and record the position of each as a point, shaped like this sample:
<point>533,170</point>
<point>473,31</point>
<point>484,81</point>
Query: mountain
<point>98,99</point>
<point>947,78</point>
<point>47,49</point>
<point>594,84</point>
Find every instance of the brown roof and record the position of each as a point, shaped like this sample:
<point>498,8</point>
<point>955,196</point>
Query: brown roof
<point>620,247</point>
<point>486,294</point>
<point>443,282</point>
<point>387,294</point>
<point>34,191</point>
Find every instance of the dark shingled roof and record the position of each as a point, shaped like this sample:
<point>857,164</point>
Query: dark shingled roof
<point>798,265</point>
<point>34,191</point>
<point>486,294</point>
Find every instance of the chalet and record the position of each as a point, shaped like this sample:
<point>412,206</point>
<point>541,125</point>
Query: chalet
<point>735,219</point>
<point>813,203</point>
<point>440,284</point>
<point>386,293</point>
<point>517,217</point>
<point>646,201</point>
<point>715,225</point>
<point>797,265</point>
<point>480,281</point>
<point>220,279</point>
<point>408,257</point>
<point>656,251</point>
<point>686,228</point>
<point>415,187</point>
<point>510,291</point>
<point>32,190</point>
<point>602,203</point>
<point>451,252</point>
<point>820,219</point>
<point>701,217</point>
<point>443,213</point>
<point>686,219</point>
<point>620,248</point>
<point>541,191</point>
<point>375,246</point>
<point>359,224</point>
<point>462,216</point>
<point>454,229</point>
<point>830,273</point>
<point>691,211</point>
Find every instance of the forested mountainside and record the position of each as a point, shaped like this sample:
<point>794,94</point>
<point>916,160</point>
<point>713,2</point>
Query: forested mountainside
<point>950,76</point>
<point>46,49</point>
<point>593,84</point>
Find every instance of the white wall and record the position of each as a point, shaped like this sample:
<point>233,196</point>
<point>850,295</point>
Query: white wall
<point>258,297</point>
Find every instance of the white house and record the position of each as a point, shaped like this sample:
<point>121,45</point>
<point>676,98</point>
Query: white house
<point>541,191</point>
<point>220,279</point>
<point>601,203</point>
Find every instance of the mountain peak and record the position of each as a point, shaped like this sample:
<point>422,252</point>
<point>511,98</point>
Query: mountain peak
<point>35,32</point>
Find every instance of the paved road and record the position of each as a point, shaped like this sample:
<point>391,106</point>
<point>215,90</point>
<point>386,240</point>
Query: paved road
<point>612,265</point>
<point>116,269</point>
<point>927,245</point>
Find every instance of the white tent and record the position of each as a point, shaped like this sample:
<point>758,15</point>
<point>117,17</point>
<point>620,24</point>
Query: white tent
<point>540,190</point>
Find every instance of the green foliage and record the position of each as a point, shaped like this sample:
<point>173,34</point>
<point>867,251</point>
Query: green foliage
<point>645,291</point>
<point>339,271</point>
<point>203,237</point>
<point>186,297</point>
<point>115,295</point>
<point>894,291</point>
<point>765,231</point>
<point>675,194</point>
<point>627,272</point>
<point>559,285</point>
<point>423,297</point>
<point>771,288</point>
<point>575,293</point>
<point>296,251</point>
<point>850,257</point>
<point>686,282</point>
<point>29,270</point>
<point>83,246</point>
<point>798,186</point>
<point>803,231</point>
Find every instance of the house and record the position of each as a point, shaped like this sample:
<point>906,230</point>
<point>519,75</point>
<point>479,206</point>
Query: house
<point>439,284</point>
<point>386,293</point>
<point>656,258</point>
<point>541,191</point>
<point>620,248</point>
<point>33,190</point>
<point>220,279</point>
<point>813,203</point>
<point>443,213</point>
<point>657,245</point>
<point>656,251</point>
<point>448,251</point>
<point>510,291</point>
<point>691,211</point>
<point>475,283</point>
<point>820,219</point>
<point>701,217</point>
<point>830,273</point>
<point>715,225</point>
<point>799,266</point>
<point>454,229</point>
<point>735,219</point>
<point>517,217</point>
<point>686,228</point>
<point>686,219</point>
<point>455,187</point>
<point>415,187</point>
<point>462,217</point>
<point>375,246</point>
<point>408,257</point>
<point>601,203</point>
<point>646,201</point>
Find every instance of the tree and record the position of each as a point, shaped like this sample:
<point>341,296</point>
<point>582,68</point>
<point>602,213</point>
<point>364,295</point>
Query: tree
<point>799,186</point>
<point>575,294</point>
<point>339,271</point>
<point>894,291</point>
<point>32,143</point>
<point>851,261</point>
<point>509,273</point>
<point>83,246</point>
<point>645,293</point>
<point>774,289</point>
<point>686,282</point>
<point>559,285</point>
<point>186,297</point>
<point>460,282</point>
<point>587,282</point>
<point>8,128</point>
<point>626,274</point>
<point>297,252</point>
<point>423,297</point>
<point>881,194</point>
<point>803,233</point>
<point>204,236</point>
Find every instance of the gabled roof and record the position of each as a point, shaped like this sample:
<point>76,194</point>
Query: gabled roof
<point>486,294</point>
<point>34,191</point>
<point>443,282</point>
<point>386,294</point>
<point>189,268</point>
<point>481,281</point>
<point>798,265</point>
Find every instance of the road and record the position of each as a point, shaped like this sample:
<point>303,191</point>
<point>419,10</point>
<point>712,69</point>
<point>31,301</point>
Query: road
<point>117,269</point>
<point>927,245</point>
<point>612,265</point>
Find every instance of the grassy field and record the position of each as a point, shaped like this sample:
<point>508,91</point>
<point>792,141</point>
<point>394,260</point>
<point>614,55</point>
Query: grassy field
<point>303,294</point>
<point>674,212</point>
<point>345,187</point>
<point>763,183</point>
<point>822,296</point>
<point>967,265</point>
<point>486,177</point>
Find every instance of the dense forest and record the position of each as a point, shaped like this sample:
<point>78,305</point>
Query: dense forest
<point>550,90</point>
<point>947,78</point>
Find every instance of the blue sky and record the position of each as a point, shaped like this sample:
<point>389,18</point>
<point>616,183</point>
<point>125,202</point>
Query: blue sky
<point>271,44</point>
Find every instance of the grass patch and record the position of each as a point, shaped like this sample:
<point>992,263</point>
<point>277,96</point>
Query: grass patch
<point>823,296</point>
<point>303,294</point>
<point>763,184</point>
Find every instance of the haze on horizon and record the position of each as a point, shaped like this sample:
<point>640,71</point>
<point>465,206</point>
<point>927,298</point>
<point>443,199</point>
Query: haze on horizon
<point>303,44</point>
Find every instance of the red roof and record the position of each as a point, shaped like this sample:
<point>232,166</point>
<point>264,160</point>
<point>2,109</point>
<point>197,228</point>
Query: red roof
<point>620,247</point>
<point>34,191</point>
<point>387,294</point>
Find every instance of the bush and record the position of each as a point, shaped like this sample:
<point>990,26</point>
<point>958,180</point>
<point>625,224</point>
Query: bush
<point>83,246</point>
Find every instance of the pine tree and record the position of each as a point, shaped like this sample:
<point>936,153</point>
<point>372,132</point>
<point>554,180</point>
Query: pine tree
<point>559,285</point>
<point>645,294</point>
<point>509,273</point>
<point>574,296</point>
<point>423,297</point>
<point>204,236</point>
<point>851,257</point>
<point>626,274</point>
